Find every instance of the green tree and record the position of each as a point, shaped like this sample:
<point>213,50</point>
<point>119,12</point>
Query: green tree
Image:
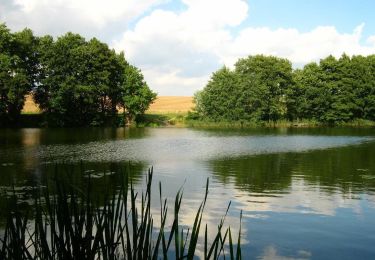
<point>274,77</point>
<point>81,82</point>
<point>336,83</point>
<point>360,81</point>
<point>18,71</point>
<point>218,101</point>
<point>367,94</point>
<point>73,81</point>
<point>265,88</point>
<point>295,97</point>
<point>84,82</point>
<point>63,94</point>
<point>333,91</point>
<point>313,97</point>
<point>136,95</point>
<point>255,90</point>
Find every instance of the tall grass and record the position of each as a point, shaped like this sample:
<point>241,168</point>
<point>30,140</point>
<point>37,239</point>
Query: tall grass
<point>75,223</point>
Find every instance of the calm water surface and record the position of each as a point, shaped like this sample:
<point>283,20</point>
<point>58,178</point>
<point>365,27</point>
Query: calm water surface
<point>305,193</point>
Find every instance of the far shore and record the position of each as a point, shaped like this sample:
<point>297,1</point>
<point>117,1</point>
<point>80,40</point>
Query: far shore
<point>162,105</point>
<point>171,111</point>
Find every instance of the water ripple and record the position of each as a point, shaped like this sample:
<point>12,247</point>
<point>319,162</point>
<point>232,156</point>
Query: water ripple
<point>194,148</point>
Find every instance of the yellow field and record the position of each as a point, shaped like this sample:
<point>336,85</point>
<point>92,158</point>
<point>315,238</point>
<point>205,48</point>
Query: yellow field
<point>171,104</point>
<point>30,106</point>
<point>162,105</point>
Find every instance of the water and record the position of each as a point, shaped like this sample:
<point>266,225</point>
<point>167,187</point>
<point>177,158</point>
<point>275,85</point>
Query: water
<point>305,193</point>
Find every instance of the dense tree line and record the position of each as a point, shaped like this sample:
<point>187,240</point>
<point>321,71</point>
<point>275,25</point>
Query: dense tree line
<point>72,80</point>
<point>266,88</point>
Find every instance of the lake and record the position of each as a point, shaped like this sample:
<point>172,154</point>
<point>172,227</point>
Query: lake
<point>304,193</point>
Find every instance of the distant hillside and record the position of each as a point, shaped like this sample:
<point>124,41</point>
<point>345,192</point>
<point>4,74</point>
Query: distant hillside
<point>162,105</point>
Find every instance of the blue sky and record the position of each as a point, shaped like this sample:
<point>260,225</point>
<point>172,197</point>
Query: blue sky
<point>305,15</point>
<point>178,44</point>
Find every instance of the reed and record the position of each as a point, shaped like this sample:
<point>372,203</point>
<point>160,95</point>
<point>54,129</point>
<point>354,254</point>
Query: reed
<point>70,222</point>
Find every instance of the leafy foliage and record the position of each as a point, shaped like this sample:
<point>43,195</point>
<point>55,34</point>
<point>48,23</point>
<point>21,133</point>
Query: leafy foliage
<point>265,88</point>
<point>18,71</point>
<point>221,99</point>
<point>266,78</point>
<point>75,82</point>
<point>136,96</point>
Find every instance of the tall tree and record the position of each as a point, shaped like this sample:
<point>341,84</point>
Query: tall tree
<point>65,97</point>
<point>73,81</point>
<point>368,93</point>
<point>81,82</point>
<point>335,90</point>
<point>18,70</point>
<point>136,95</point>
<point>314,98</point>
<point>219,100</point>
<point>274,77</point>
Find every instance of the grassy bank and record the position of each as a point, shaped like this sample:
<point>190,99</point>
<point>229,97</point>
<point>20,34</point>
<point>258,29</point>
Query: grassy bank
<point>181,119</point>
<point>280,123</point>
<point>162,120</point>
<point>68,222</point>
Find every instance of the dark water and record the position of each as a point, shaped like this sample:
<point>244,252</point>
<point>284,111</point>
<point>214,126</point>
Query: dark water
<point>305,193</point>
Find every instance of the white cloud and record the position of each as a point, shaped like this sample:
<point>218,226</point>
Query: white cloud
<point>296,46</point>
<point>301,200</point>
<point>214,13</point>
<point>270,253</point>
<point>170,82</point>
<point>178,51</point>
<point>88,17</point>
<point>98,12</point>
<point>371,40</point>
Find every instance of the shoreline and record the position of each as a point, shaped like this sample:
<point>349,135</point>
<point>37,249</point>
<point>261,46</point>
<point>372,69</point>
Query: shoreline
<point>180,120</point>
